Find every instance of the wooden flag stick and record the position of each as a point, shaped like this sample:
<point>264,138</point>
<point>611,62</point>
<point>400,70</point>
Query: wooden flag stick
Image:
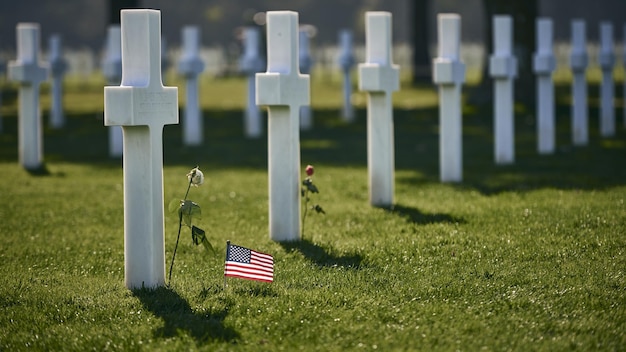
<point>227,246</point>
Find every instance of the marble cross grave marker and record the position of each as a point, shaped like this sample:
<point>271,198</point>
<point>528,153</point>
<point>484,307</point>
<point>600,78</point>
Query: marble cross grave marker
<point>112,71</point>
<point>251,63</point>
<point>543,65</point>
<point>284,90</point>
<point>606,59</point>
<point>142,106</point>
<point>578,63</point>
<point>449,74</point>
<point>58,67</point>
<point>346,62</point>
<point>190,66</point>
<point>306,62</point>
<point>29,72</point>
<point>379,77</point>
<point>503,68</point>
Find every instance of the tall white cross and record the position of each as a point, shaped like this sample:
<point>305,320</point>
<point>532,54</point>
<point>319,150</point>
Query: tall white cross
<point>578,63</point>
<point>346,61</point>
<point>190,66</point>
<point>112,71</point>
<point>284,90</point>
<point>606,60</point>
<point>142,106</point>
<point>449,74</point>
<point>58,67</point>
<point>503,68</point>
<point>29,72</point>
<point>543,65</point>
<point>251,63</point>
<point>379,77</point>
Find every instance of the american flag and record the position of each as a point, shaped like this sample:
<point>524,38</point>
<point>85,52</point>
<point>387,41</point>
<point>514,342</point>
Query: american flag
<point>248,264</point>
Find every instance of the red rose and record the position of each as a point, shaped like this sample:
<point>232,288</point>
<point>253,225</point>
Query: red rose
<point>309,170</point>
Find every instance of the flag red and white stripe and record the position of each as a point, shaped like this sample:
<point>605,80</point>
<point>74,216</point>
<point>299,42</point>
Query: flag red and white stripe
<point>248,264</point>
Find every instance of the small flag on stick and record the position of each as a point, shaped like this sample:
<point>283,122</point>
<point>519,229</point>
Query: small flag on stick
<point>248,264</point>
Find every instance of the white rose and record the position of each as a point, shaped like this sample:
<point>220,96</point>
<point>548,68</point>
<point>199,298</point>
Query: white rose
<point>196,177</point>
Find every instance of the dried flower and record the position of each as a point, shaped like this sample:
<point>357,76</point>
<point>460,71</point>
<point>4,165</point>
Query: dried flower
<point>195,177</point>
<point>309,170</point>
<point>187,210</point>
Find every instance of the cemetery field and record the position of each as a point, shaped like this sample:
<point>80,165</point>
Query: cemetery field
<point>530,256</point>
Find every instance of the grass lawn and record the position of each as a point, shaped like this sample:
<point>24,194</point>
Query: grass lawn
<point>530,256</point>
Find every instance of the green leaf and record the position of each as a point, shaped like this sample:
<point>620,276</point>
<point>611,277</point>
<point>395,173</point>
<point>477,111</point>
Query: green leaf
<point>188,210</point>
<point>312,188</point>
<point>174,205</point>
<point>198,236</point>
<point>318,209</point>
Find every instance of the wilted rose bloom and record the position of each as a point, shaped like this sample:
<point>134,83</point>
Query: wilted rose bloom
<point>309,170</point>
<point>195,176</point>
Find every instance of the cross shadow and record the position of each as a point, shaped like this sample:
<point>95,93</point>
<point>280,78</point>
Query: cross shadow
<point>321,256</point>
<point>41,170</point>
<point>417,217</point>
<point>178,315</point>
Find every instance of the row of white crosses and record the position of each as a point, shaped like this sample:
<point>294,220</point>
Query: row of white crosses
<point>544,65</point>
<point>142,106</point>
<point>449,74</point>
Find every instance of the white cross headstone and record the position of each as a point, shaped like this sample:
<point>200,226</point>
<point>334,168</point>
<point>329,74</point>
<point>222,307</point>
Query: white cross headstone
<point>543,65</point>
<point>112,71</point>
<point>503,68</point>
<point>379,77</point>
<point>142,106</point>
<point>346,61</point>
<point>58,67</point>
<point>29,72</point>
<point>606,59</point>
<point>306,62</point>
<point>284,90</point>
<point>578,63</point>
<point>251,63</point>
<point>190,66</point>
<point>449,74</point>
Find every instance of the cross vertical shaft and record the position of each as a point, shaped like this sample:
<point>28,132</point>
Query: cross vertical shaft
<point>142,106</point>
<point>284,90</point>
<point>380,78</point>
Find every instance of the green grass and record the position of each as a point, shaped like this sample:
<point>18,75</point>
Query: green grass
<point>523,257</point>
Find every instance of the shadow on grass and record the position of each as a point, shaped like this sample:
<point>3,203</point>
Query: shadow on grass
<point>417,217</point>
<point>322,256</point>
<point>178,316</point>
<point>42,170</point>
